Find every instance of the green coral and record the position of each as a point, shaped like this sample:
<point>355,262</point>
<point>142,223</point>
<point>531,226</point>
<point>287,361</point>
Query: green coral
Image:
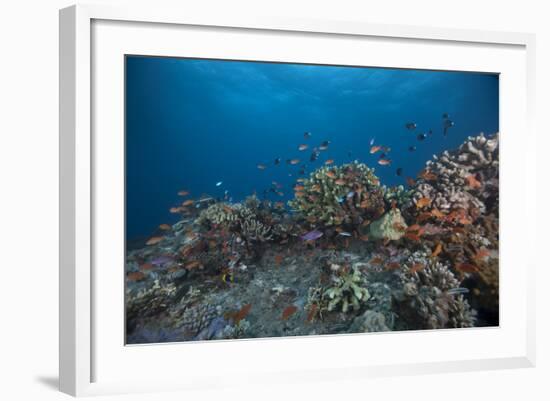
<point>390,226</point>
<point>347,291</point>
<point>348,194</point>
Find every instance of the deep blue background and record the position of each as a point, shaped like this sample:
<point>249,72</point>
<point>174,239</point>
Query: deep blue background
<point>191,123</point>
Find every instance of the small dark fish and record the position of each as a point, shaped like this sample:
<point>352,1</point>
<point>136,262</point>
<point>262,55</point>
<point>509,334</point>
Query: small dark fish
<point>324,145</point>
<point>399,171</point>
<point>445,116</point>
<point>410,126</point>
<point>446,125</point>
<point>382,155</point>
<point>314,156</point>
<point>430,132</point>
<point>307,135</point>
<point>421,137</point>
<point>412,148</point>
<point>277,161</point>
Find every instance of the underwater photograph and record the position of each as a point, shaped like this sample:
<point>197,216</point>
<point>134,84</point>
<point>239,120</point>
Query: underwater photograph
<point>271,199</point>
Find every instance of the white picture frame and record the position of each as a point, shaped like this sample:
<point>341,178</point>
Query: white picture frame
<point>84,355</point>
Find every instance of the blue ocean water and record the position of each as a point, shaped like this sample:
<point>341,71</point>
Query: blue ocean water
<point>191,124</point>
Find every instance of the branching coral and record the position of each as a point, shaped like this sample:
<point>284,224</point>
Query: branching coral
<point>431,296</point>
<point>347,290</point>
<point>347,194</point>
<point>254,230</point>
<point>462,179</point>
<point>149,301</point>
<point>253,222</point>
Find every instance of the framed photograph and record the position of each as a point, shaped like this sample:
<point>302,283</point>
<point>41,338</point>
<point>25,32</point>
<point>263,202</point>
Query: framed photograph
<point>290,199</point>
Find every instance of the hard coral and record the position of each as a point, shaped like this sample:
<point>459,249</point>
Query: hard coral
<point>390,226</point>
<point>347,194</point>
<point>461,179</point>
<point>430,298</point>
<point>348,290</point>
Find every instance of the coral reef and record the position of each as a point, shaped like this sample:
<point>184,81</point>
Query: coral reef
<point>462,179</point>
<point>253,221</point>
<point>341,195</point>
<point>431,295</point>
<point>251,269</point>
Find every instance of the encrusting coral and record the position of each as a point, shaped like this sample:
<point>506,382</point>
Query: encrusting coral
<point>348,194</point>
<point>390,226</point>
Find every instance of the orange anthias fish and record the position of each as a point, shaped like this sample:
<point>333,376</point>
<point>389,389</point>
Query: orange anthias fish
<point>331,174</point>
<point>410,182</point>
<point>423,202</point>
<point>329,161</point>
<point>340,182</point>
<point>377,260</point>
<point>183,193</point>
<point>146,266</point>
<point>165,227</point>
<point>427,175</point>
<point>384,162</point>
<point>412,236</point>
<point>312,312</point>
<point>278,259</point>
<point>242,313</point>
<point>193,265</point>
<point>303,147</point>
<point>289,311</point>
<point>466,268</point>
<point>364,237</point>
<point>135,276</point>
<point>437,214</point>
<point>299,188</point>
<point>175,210</point>
<point>481,254</point>
<point>299,194</point>
<point>437,250</point>
<point>392,266</point>
<point>188,202</point>
<point>472,181</point>
<point>294,161</point>
<point>316,188</point>
<point>279,205</point>
<point>423,216</point>
<point>154,240</point>
<point>375,149</point>
<point>417,267</point>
